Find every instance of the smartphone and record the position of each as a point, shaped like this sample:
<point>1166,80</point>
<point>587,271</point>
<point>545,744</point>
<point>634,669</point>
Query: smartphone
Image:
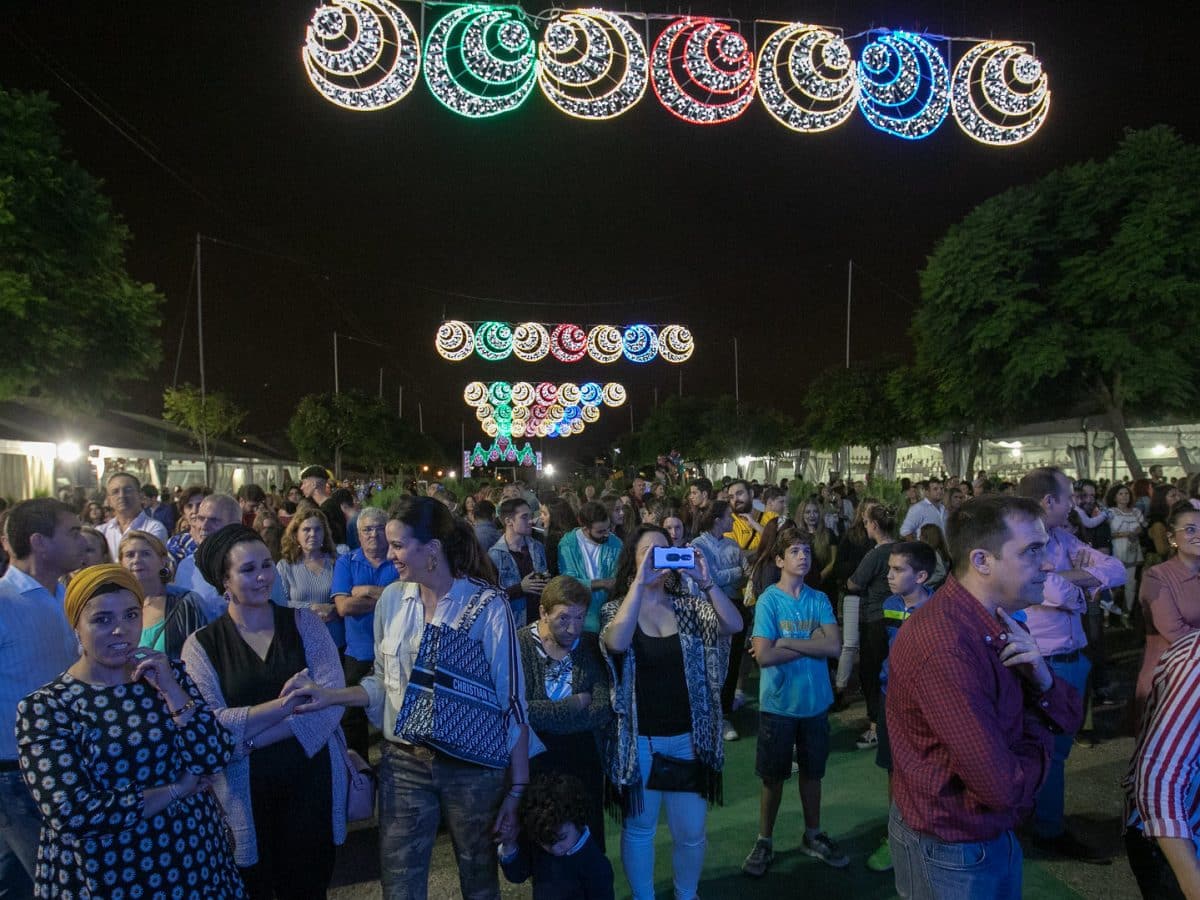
<point>674,558</point>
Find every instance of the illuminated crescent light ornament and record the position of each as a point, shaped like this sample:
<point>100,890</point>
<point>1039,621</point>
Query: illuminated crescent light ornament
<point>806,78</point>
<point>568,343</point>
<point>590,394</point>
<point>614,394</point>
<point>710,80</point>
<point>675,344</point>
<point>361,54</point>
<point>480,61</point>
<point>522,394</point>
<point>455,340</point>
<point>531,342</point>
<point>604,344</point>
<point>475,393</point>
<point>641,343</point>
<point>999,93</point>
<point>500,392</point>
<point>903,85</point>
<point>494,341</point>
<point>592,65</point>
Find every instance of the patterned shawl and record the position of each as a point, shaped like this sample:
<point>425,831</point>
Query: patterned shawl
<point>705,662</point>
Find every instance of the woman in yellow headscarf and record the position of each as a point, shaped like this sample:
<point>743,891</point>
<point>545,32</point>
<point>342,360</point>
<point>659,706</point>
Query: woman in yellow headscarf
<point>117,752</point>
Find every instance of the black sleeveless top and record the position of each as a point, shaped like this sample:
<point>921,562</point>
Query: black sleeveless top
<point>663,707</point>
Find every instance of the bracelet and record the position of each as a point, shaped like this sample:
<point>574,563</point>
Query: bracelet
<point>186,708</point>
<point>705,588</point>
<point>514,795</point>
<point>173,790</point>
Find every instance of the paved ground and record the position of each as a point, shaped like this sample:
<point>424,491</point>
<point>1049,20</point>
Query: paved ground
<point>854,813</point>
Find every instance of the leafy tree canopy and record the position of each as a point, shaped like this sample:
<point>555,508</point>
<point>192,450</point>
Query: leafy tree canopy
<point>357,428</point>
<point>1072,290</point>
<point>208,417</point>
<point>76,324</point>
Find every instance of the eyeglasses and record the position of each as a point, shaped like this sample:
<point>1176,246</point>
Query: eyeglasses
<point>1190,530</point>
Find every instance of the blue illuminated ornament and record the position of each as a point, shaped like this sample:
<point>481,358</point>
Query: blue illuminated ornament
<point>589,394</point>
<point>480,61</point>
<point>362,55</point>
<point>641,343</point>
<point>999,93</point>
<point>903,85</point>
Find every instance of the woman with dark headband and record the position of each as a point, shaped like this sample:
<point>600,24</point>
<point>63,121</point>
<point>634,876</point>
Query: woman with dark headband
<point>284,791</point>
<point>117,752</point>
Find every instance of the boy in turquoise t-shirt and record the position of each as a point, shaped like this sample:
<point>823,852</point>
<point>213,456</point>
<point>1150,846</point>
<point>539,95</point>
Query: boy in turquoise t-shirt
<point>795,632</point>
<point>910,565</point>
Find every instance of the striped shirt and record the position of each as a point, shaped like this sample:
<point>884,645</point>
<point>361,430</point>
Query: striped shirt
<point>1162,786</point>
<point>300,587</point>
<point>36,645</point>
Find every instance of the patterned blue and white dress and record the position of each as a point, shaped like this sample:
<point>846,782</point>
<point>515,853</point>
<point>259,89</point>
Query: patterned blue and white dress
<point>87,753</point>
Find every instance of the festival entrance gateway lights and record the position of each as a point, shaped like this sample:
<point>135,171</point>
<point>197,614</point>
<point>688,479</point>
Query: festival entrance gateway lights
<point>483,61</point>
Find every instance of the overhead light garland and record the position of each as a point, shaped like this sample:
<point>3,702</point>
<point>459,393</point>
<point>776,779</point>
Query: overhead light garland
<point>481,61</point>
<point>549,410</point>
<point>566,342</point>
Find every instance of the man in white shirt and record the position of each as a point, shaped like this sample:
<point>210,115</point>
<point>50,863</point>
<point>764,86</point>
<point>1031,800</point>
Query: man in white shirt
<point>929,511</point>
<point>123,494</point>
<point>36,645</point>
<point>215,512</point>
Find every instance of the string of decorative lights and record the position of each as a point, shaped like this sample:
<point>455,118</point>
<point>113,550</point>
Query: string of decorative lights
<point>568,343</point>
<point>544,410</point>
<point>481,61</point>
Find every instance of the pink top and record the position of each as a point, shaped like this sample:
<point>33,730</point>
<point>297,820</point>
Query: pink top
<point>1056,624</point>
<point>1170,598</point>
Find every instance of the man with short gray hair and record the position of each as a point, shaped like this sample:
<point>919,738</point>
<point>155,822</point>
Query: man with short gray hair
<point>215,512</point>
<point>123,494</point>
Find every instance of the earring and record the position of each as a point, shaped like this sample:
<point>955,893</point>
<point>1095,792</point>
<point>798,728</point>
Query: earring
<point>228,597</point>
<point>432,564</point>
<point>79,645</point>
<point>165,574</point>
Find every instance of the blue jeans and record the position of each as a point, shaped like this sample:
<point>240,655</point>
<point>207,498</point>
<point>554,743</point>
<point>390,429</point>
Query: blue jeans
<point>20,826</point>
<point>686,815</point>
<point>932,869</point>
<point>1051,799</point>
<point>417,789</point>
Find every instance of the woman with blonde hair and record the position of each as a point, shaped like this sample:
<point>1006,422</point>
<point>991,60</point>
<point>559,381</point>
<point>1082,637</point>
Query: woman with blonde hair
<point>170,612</point>
<point>305,570</point>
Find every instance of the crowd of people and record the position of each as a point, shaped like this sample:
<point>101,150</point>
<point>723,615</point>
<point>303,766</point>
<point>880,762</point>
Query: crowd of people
<point>194,679</point>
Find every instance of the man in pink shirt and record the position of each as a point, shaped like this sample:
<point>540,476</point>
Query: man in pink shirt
<point>1057,627</point>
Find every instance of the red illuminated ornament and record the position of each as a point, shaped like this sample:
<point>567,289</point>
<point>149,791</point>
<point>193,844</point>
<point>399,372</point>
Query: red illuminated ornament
<point>702,71</point>
<point>568,343</point>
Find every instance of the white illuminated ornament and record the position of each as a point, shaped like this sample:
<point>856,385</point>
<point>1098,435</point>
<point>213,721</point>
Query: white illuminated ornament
<point>592,64</point>
<point>999,93</point>
<point>806,78</point>
<point>604,344</point>
<point>475,393</point>
<point>361,54</point>
<point>675,344</point>
<point>480,61</point>
<point>522,394</point>
<point>455,340</point>
<point>614,394</point>
<point>903,85</point>
<point>531,342</point>
<point>702,71</point>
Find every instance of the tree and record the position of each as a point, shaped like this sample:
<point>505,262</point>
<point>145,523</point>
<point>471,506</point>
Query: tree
<point>76,324</point>
<point>1071,293</point>
<point>358,428</point>
<point>206,418</point>
<point>848,407</point>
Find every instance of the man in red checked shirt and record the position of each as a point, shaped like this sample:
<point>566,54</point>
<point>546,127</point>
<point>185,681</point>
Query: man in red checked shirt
<point>972,708</point>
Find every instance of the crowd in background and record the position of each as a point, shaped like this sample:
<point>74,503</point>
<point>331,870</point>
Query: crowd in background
<point>245,651</point>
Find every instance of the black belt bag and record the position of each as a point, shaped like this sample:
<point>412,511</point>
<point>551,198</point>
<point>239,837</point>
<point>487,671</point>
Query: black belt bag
<point>674,775</point>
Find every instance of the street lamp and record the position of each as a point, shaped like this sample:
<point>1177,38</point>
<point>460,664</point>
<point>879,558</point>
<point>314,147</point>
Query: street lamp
<point>68,451</point>
<point>548,468</point>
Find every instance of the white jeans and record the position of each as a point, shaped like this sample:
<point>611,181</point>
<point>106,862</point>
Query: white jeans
<point>850,604</point>
<point>686,815</point>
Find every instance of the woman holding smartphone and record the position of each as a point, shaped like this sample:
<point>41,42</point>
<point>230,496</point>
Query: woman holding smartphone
<point>666,641</point>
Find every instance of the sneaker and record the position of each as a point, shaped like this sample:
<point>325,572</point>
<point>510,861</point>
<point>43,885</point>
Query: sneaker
<point>868,740</point>
<point>881,859</point>
<point>728,731</point>
<point>739,699</point>
<point>759,860</point>
<point>823,848</point>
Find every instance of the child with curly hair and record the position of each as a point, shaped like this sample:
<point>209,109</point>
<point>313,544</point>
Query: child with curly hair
<point>556,847</point>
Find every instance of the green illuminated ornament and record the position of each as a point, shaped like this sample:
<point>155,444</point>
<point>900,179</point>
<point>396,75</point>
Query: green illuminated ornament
<point>494,341</point>
<point>481,61</point>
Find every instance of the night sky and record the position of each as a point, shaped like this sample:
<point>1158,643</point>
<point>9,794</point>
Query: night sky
<point>378,225</point>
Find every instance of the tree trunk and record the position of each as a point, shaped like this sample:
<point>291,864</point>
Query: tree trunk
<point>871,463</point>
<point>1116,420</point>
<point>972,452</point>
<point>337,463</point>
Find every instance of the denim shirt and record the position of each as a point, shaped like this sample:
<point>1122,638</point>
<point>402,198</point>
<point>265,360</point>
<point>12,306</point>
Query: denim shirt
<point>507,566</point>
